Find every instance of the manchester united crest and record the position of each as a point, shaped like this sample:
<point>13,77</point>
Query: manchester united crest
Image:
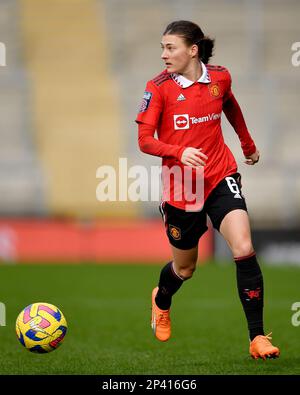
<point>175,232</point>
<point>214,90</point>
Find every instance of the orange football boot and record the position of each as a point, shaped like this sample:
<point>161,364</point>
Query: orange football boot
<point>160,321</point>
<point>261,347</point>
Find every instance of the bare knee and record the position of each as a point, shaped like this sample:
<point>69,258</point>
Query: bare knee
<point>186,272</point>
<point>243,248</point>
<point>184,262</point>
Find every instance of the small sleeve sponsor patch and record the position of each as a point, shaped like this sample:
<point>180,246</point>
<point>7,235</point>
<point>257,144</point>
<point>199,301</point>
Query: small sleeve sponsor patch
<point>145,101</point>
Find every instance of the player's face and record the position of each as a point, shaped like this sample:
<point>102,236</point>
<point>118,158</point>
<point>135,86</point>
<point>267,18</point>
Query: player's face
<point>176,54</point>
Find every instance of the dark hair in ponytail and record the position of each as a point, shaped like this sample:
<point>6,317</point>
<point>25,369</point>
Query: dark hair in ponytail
<point>192,34</point>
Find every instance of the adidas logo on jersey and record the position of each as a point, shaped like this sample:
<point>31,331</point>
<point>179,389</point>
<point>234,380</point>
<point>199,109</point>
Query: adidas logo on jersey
<point>180,97</point>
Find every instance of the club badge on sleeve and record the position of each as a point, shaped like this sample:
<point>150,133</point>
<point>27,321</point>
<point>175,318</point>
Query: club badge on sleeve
<point>146,101</point>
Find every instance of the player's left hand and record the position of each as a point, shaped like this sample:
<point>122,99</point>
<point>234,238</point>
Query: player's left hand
<point>252,159</point>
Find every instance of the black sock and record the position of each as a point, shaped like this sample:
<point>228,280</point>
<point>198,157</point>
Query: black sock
<point>251,292</point>
<point>169,283</point>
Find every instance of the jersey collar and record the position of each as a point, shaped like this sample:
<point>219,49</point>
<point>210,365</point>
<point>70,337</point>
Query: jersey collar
<point>185,83</point>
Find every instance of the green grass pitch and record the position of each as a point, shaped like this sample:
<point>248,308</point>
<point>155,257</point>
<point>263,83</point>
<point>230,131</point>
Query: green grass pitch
<point>107,308</point>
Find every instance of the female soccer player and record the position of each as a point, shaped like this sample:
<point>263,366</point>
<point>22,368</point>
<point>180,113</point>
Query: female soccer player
<point>184,105</point>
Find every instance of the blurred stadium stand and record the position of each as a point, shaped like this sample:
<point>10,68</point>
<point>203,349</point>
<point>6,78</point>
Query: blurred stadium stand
<point>22,186</point>
<point>74,79</point>
<point>75,102</point>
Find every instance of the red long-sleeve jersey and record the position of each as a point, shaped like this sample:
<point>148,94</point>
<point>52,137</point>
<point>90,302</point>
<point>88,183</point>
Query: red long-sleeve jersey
<point>188,114</point>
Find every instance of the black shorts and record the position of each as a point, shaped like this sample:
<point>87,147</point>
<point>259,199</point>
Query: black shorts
<point>184,228</point>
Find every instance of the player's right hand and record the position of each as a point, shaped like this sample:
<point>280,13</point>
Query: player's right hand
<point>252,159</point>
<point>193,157</point>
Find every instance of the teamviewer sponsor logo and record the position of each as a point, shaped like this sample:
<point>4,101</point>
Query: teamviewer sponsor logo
<point>181,122</point>
<point>209,117</point>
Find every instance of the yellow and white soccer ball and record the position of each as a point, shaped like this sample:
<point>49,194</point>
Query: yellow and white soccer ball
<point>41,327</point>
